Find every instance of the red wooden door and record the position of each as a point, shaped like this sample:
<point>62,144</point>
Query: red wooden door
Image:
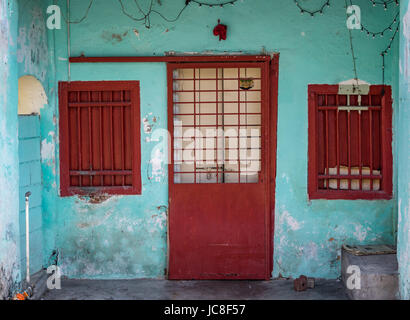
<point>219,205</point>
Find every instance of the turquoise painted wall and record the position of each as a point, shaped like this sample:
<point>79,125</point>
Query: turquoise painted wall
<point>9,168</point>
<point>404,154</point>
<point>23,51</point>
<point>30,180</point>
<point>32,50</point>
<point>125,237</point>
<point>122,236</point>
<point>32,59</point>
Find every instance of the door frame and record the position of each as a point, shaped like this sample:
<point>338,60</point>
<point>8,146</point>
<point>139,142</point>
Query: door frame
<point>272,68</point>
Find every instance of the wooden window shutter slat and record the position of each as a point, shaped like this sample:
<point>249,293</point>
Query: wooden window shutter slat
<point>100,137</point>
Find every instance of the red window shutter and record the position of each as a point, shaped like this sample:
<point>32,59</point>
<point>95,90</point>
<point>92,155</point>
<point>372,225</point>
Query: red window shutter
<point>100,137</point>
<point>350,152</point>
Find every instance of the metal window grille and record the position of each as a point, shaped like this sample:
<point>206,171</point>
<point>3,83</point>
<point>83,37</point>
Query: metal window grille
<point>100,137</point>
<point>217,125</point>
<point>350,143</point>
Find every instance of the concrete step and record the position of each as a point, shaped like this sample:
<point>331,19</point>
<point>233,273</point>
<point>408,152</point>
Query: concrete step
<point>370,277</point>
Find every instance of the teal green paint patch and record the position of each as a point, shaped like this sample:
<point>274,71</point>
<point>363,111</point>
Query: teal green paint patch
<point>120,238</point>
<point>32,53</point>
<point>24,173</point>
<point>33,57</point>
<point>35,172</point>
<point>29,149</point>
<point>30,181</point>
<point>22,39</point>
<point>123,236</point>
<point>9,171</point>
<point>30,173</point>
<point>29,127</point>
<point>403,242</point>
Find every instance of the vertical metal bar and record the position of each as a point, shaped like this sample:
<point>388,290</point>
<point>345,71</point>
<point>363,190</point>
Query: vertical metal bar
<point>348,150</point>
<point>90,131</point>
<point>199,141</point>
<point>337,143</point>
<point>195,126</point>
<point>223,126</point>
<point>246,124</point>
<point>371,146</point>
<point>171,126</point>
<point>80,166</point>
<point>217,125</point>
<point>360,152</point>
<point>239,126</point>
<point>327,148</point>
<point>122,137</point>
<point>112,137</point>
<point>101,139</point>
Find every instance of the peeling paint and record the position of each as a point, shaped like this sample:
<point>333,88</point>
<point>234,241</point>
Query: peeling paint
<point>157,163</point>
<point>48,149</point>
<point>136,32</point>
<point>360,233</point>
<point>285,217</point>
<point>32,53</point>
<point>147,126</point>
<point>10,276</point>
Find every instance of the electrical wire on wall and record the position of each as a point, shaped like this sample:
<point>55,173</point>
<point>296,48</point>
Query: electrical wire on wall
<point>356,78</point>
<point>384,3</point>
<point>382,32</point>
<point>313,12</point>
<point>373,34</point>
<point>146,16</point>
<point>85,16</point>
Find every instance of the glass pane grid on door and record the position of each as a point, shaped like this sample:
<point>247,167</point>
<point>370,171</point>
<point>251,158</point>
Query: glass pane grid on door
<point>217,125</point>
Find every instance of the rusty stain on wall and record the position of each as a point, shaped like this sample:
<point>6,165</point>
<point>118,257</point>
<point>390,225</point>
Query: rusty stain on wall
<point>114,37</point>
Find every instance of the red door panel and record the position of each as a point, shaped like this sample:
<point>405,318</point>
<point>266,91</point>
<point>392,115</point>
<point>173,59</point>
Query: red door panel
<point>219,208</point>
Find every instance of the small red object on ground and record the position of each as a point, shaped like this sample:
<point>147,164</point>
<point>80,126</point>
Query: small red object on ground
<point>300,283</point>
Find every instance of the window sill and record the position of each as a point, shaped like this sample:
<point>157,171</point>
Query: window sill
<point>90,191</point>
<point>350,195</point>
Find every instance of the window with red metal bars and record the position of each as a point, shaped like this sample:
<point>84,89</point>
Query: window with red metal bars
<point>100,137</point>
<point>350,137</point>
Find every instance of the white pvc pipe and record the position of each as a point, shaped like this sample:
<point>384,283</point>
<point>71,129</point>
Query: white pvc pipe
<point>28,194</point>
